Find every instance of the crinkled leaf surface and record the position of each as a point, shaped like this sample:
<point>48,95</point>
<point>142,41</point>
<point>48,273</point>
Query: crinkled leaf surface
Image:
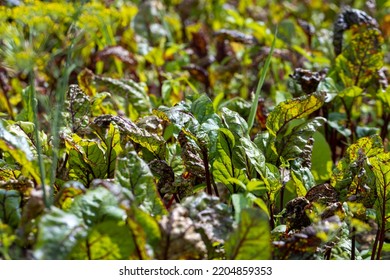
<point>10,212</point>
<point>79,107</point>
<point>209,122</point>
<point>134,174</point>
<point>210,216</point>
<point>251,239</point>
<point>361,58</point>
<point>293,109</point>
<point>291,146</point>
<point>254,158</point>
<point>180,240</point>
<point>352,174</point>
<point>152,142</point>
<point>234,122</point>
<point>132,91</point>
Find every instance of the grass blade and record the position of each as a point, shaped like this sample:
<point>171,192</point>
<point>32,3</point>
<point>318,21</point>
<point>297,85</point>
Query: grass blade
<point>264,70</point>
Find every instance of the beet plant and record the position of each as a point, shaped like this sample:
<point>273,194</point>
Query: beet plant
<point>149,130</point>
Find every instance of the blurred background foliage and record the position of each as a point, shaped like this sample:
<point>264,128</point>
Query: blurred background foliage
<point>176,80</point>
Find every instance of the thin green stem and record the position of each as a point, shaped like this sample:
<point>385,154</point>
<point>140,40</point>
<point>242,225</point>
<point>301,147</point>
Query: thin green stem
<point>37,138</point>
<point>59,107</point>
<point>264,70</point>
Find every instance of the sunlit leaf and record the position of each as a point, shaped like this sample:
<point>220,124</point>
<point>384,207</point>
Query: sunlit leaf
<point>105,241</point>
<point>321,164</point>
<point>381,168</point>
<point>352,177</point>
<point>111,143</point>
<point>251,239</point>
<point>149,225</point>
<point>86,159</point>
<point>253,155</point>
<point>362,57</point>
<point>291,110</point>
<point>68,192</point>
<point>209,122</point>
<point>19,149</point>
<point>234,122</point>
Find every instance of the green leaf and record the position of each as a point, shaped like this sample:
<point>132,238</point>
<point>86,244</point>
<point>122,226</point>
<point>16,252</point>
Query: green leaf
<point>239,105</point>
<point>254,156</point>
<point>109,240</point>
<point>240,202</point>
<point>234,122</point>
<point>381,168</point>
<point>291,110</point>
<point>149,225</point>
<point>58,234</point>
<point>352,175</point>
<point>224,167</point>
<point>266,143</point>
<point>134,93</point>
<point>68,192</point>
<point>251,239</point>
<point>263,74</point>
<point>86,159</point>
<point>134,174</point>
<point>210,216</point>
<point>19,149</point>
<point>29,102</point>
<point>111,143</point>
<point>179,115</point>
<point>152,142</point>
<point>291,145</point>
<point>97,206</point>
<point>361,58</point>
<point>79,108</point>
<point>209,122</point>
<point>300,189</point>
<point>321,159</point>
<point>351,92</point>
<point>338,122</point>
<point>10,212</point>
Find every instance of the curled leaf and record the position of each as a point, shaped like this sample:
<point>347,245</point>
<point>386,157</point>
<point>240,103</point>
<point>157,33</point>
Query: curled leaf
<point>154,143</point>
